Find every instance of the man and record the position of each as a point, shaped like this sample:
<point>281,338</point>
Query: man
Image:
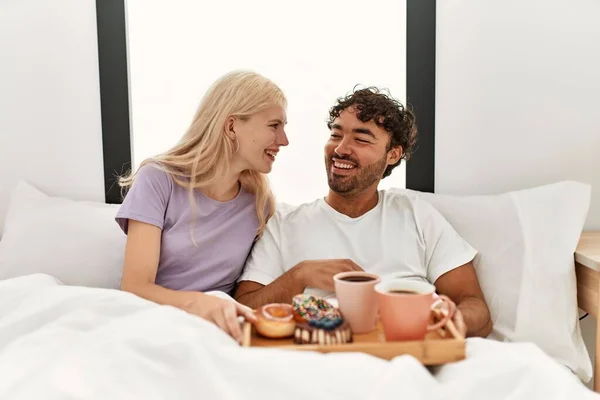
<point>357,227</point>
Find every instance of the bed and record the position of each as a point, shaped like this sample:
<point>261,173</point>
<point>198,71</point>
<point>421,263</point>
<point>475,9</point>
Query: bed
<point>66,331</point>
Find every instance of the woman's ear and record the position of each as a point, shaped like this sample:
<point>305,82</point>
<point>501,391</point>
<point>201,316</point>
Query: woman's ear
<point>230,127</point>
<point>394,155</point>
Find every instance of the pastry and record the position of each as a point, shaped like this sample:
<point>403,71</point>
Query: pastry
<point>275,321</point>
<point>309,334</point>
<point>319,322</point>
<point>314,310</point>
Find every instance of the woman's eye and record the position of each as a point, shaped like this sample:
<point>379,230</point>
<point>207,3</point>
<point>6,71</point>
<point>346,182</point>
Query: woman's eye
<point>275,126</point>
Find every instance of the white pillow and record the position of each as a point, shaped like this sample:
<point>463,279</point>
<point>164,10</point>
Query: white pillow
<point>526,240</point>
<point>76,242</point>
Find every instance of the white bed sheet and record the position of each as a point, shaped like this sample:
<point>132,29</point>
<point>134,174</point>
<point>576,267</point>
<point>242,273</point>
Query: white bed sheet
<point>61,342</point>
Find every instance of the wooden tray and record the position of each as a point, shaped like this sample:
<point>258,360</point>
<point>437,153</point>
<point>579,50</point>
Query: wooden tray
<point>440,347</point>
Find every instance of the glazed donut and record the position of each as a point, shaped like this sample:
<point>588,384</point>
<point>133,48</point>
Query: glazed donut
<point>275,321</point>
<point>316,312</point>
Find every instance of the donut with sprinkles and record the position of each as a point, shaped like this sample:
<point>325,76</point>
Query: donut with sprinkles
<point>316,312</point>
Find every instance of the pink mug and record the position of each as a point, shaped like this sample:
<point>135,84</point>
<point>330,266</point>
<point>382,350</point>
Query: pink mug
<point>355,293</point>
<point>405,308</point>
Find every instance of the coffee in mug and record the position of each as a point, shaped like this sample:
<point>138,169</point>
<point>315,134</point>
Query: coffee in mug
<point>357,278</point>
<point>402,292</point>
<point>405,308</point>
<point>355,292</point>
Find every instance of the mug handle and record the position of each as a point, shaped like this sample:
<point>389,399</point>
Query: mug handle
<point>450,310</point>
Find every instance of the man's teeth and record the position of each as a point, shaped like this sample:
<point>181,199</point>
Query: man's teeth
<point>341,165</point>
<point>271,153</point>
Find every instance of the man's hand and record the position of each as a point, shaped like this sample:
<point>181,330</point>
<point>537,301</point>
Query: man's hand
<point>459,322</point>
<point>439,313</point>
<point>316,274</point>
<point>319,274</point>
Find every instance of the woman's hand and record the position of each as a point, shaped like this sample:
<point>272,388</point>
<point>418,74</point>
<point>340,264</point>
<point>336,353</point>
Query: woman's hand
<point>223,313</point>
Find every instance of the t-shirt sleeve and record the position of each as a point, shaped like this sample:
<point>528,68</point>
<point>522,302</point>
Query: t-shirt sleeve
<point>265,263</point>
<point>147,199</point>
<point>445,249</point>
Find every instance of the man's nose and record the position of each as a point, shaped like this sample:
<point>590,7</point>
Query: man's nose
<point>343,149</point>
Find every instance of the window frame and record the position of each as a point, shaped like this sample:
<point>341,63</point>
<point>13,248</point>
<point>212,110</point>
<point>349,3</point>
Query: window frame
<point>115,108</point>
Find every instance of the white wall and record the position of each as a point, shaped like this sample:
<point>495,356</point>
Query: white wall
<point>50,129</point>
<point>518,94</point>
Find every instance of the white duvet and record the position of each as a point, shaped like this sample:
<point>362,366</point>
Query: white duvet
<point>60,342</point>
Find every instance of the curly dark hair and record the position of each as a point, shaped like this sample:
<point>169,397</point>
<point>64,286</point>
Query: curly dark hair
<point>388,113</point>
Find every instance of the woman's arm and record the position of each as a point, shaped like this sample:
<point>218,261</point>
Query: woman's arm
<point>142,253</point>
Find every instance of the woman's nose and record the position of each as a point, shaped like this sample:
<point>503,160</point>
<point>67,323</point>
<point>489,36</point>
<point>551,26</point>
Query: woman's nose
<point>282,139</point>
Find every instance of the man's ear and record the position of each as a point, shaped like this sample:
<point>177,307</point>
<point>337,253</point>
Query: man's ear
<point>394,154</point>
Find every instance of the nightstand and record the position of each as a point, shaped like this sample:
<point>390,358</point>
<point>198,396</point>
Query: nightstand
<point>587,269</point>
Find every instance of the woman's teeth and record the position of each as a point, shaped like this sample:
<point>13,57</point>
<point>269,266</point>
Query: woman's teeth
<point>271,153</point>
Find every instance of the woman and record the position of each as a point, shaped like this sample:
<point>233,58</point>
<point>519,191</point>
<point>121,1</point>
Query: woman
<point>192,213</point>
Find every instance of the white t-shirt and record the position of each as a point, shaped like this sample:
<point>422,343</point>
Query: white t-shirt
<point>403,236</point>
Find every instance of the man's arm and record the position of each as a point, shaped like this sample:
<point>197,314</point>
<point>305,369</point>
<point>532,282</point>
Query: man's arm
<point>462,286</point>
<point>281,290</point>
<point>310,273</point>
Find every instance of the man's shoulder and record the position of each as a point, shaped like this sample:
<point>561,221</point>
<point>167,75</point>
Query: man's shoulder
<point>422,208</point>
<point>400,198</point>
<point>290,216</point>
<point>409,202</point>
<point>286,212</point>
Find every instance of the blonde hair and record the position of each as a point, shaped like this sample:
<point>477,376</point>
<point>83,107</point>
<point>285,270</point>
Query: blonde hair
<point>203,155</point>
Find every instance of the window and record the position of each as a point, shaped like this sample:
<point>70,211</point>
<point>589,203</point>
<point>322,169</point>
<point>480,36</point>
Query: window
<point>315,51</point>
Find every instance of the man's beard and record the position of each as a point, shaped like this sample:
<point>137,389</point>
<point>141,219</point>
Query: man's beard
<point>358,182</point>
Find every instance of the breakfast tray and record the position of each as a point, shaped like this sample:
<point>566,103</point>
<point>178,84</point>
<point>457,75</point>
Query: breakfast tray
<point>439,347</point>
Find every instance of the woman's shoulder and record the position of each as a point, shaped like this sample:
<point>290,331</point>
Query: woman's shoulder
<point>152,170</point>
<point>150,181</point>
<point>147,198</point>
<point>155,176</point>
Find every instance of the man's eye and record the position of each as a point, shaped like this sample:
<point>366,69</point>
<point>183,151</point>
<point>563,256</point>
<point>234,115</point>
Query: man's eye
<point>362,141</point>
<point>335,136</point>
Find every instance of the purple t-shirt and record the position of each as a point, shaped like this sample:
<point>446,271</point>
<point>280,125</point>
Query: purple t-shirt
<point>223,231</point>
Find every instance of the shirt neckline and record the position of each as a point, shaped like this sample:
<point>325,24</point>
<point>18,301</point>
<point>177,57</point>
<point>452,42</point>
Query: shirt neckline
<point>343,217</point>
<point>218,203</point>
